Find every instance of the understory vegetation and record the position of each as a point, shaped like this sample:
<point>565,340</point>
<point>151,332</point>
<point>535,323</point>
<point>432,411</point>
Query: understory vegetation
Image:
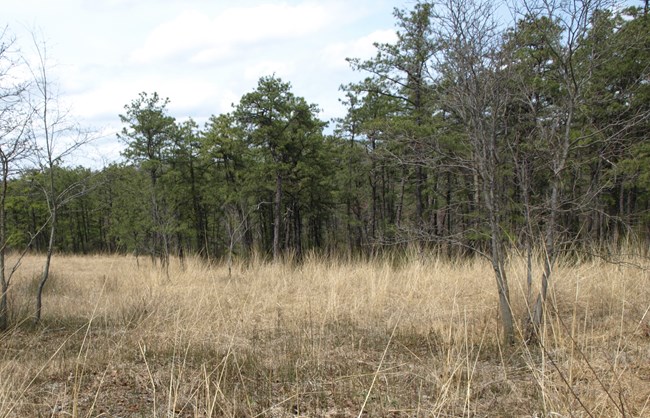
<point>476,131</point>
<point>404,336</point>
<point>470,238</point>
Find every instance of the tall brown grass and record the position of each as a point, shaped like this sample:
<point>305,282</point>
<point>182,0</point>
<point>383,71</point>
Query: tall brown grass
<point>409,337</point>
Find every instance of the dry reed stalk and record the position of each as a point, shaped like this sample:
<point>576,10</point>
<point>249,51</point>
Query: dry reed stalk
<point>291,339</point>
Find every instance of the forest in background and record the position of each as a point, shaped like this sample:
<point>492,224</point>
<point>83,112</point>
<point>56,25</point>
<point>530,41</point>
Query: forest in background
<point>487,179</point>
<point>465,137</point>
<point>555,117</point>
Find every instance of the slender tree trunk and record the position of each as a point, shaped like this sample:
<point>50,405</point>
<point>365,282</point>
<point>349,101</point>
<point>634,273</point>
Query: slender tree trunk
<point>448,211</point>
<point>297,231</point>
<point>619,220</point>
<point>373,190</point>
<point>420,201</point>
<point>522,172</point>
<point>154,217</point>
<point>288,225</point>
<point>507,319</point>
<point>400,202</point>
<point>348,220</point>
<point>4,303</point>
<point>498,262</point>
<point>348,200</point>
<point>420,180</point>
<point>53,207</point>
<point>46,269</point>
<point>4,283</point>
<point>549,255</point>
<point>385,212</point>
<point>4,280</point>
<point>373,211</point>
<point>550,235</point>
<point>277,216</point>
<point>198,212</point>
<point>231,246</point>
<point>247,235</point>
<point>181,251</point>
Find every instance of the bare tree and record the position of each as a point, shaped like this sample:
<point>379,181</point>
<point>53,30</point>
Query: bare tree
<point>475,93</point>
<point>55,137</point>
<point>562,28</point>
<point>14,147</point>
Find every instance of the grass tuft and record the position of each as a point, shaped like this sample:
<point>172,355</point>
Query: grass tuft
<point>400,336</point>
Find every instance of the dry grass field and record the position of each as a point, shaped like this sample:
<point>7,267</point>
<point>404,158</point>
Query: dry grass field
<point>385,338</point>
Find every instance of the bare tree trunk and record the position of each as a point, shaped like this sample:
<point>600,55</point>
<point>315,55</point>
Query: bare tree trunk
<point>497,249</point>
<point>14,146</point>
<point>420,180</point>
<point>537,313</point>
<point>50,190</point>
<point>297,231</point>
<point>507,318</point>
<point>373,187</point>
<point>561,155</point>
<point>4,304</point>
<point>549,259</point>
<point>181,251</point>
<point>400,203</point>
<point>53,122</point>
<point>529,236</point>
<point>4,283</point>
<point>46,268</point>
<point>231,246</point>
<point>373,212</point>
<point>277,216</point>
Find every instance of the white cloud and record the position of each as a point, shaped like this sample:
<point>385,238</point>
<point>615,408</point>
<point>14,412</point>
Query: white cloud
<point>203,55</point>
<point>102,104</point>
<point>212,54</point>
<point>282,69</point>
<point>189,30</point>
<point>103,150</point>
<point>334,55</point>
<point>227,100</point>
<point>208,38</point>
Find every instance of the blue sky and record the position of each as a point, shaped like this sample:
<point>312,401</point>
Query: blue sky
<point>203,55</point>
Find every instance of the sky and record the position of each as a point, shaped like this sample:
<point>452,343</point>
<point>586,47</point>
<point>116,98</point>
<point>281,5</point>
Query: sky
<point>204,55</point>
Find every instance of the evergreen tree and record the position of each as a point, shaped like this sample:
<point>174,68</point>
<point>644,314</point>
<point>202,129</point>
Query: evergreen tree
<point>148,136</point>
<point>281,130</point>
<point>402,72</point>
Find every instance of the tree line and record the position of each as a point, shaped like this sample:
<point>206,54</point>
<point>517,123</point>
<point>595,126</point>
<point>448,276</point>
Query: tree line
<point>466,136</point>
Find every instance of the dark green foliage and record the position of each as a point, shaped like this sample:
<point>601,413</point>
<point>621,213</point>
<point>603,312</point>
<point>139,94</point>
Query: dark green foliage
<point>399,168</point>
<point>290,159</point>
